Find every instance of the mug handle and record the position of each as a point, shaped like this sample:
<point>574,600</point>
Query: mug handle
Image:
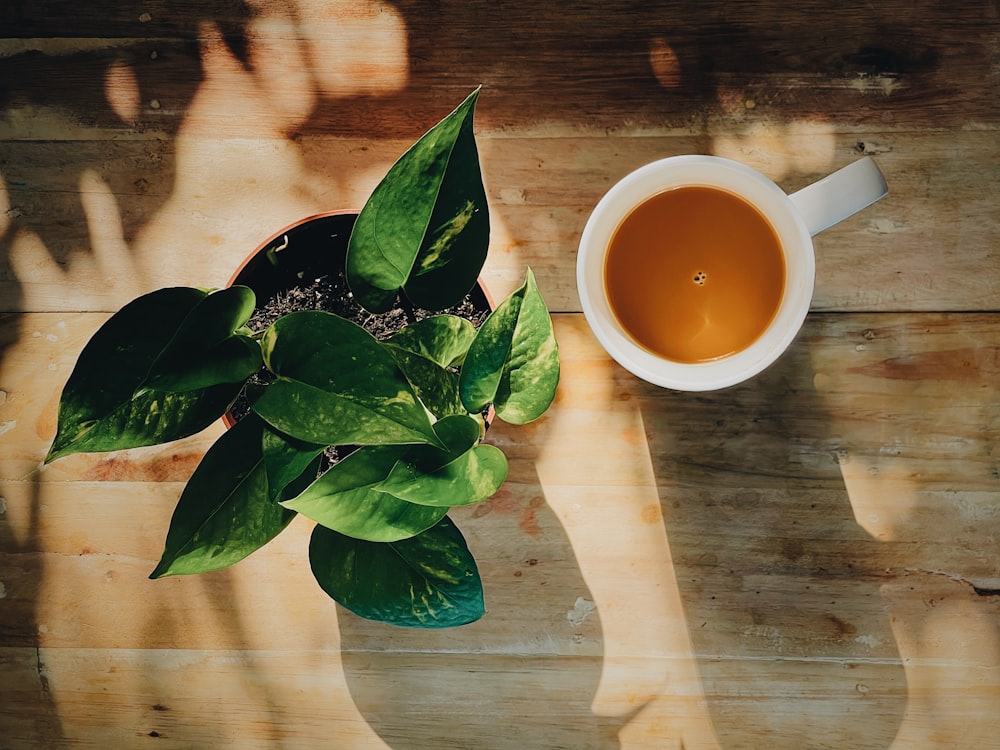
<point>839,195</point>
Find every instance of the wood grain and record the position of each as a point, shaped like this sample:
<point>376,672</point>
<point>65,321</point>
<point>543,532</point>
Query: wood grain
<point>927,63</point>
<point>927,246</point>
<point>827,525</point>
<point>808,560</point>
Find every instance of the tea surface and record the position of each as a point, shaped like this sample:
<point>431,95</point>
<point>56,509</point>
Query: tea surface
<point>695,274</point>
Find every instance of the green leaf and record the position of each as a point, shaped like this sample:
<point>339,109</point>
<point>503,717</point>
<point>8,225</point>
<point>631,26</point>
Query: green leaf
<point>441,339</point>
<point>427,351</point>
<point>288,462</point>
<point>425,228</point>
<point>463,474</point>
<point>227,510</point>
<point>427,581</point>
<point>387,493</point>
<point>473,476</point>
<point>337,385</point>
<point>514,361</point>
<point>344,499</point>
<point>207,349</point>
<point>103,408</point>
<point>435,386</point>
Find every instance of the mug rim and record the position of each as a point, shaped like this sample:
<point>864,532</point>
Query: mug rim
<point>690,170</point>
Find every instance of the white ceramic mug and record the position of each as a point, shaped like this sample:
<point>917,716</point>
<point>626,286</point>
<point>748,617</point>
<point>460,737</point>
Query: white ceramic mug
<point>794,218</point>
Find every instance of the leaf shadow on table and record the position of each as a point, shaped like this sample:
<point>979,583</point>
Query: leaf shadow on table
<point>780,585</point>
<point>228,666</point>
<point>54,95</point>
<point>526,674</point>
<point>109,79</point>
<point>629,64</point>
<point>29,714</point>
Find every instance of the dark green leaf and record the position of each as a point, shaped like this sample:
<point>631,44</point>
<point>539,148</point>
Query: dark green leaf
<point>428,581</point>
<point>344,499</point>
<point>425,228</point>
<point>207,349</point>
<point>102,408</point>
<point>513,362</point>
<point>226,510</point>
<point>287,461</point>
<point>337,385</point>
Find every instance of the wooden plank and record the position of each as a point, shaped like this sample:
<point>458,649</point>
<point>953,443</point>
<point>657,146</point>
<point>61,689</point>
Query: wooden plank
<point>818,542</point>
<point>303,698</point>
<point>917,63</point>
<point>27,714</point>
<point>62,18</point>
<point>76,557</point>
<point>808,560</point>
<point>891,379</point>
<point>121,697</point>
<point>93,224</point>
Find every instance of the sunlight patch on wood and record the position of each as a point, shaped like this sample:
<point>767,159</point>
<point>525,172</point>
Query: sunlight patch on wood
<point>121,89</point>
<point>664,62</point>
<point>600,530</point>
<point>357,48</point>
<point>780,149</point>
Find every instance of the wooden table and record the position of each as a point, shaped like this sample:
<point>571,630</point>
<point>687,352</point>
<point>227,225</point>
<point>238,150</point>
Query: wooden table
<point>809,560</point>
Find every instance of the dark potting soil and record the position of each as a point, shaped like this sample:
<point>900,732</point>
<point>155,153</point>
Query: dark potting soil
<point>331,294</point>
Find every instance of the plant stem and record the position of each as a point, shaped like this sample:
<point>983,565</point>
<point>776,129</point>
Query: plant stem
<point>407,306</point>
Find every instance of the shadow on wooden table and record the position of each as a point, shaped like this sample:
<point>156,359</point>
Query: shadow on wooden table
<point>816,552</point>
<point>526,674</point>
<point>69,100</point>
<point>29,712</point>
<point>103,83</point>
<point>780,585</point>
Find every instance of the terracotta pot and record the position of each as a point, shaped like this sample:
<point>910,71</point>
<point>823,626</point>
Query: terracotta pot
<point>313,247</point>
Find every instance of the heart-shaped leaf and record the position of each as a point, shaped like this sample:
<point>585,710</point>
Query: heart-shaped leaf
<point>427,351</point>
<point>103,408</point>
<point>441,339</point>
<point>207,348</point>
<point>344,499</point>
<point>425,227</point>
<point>337,385</point>
<point>435,386</point>
<point>289,464</point>
<point>513,362</point>
<point>227,510</point>
<point>428,581</point>
<point>473,476</point>
<point>463,474</point>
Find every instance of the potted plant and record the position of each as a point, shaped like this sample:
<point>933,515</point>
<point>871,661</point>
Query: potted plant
<point>402,415</point>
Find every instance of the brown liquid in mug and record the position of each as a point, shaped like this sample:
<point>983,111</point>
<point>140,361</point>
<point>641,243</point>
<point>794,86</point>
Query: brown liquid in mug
<point>694,274</point>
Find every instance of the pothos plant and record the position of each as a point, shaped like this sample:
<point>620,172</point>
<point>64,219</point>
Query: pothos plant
<point>410,407</point>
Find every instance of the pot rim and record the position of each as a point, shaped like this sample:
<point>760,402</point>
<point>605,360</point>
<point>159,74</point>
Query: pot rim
<point>287,228</point>
<point>323,215</point>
